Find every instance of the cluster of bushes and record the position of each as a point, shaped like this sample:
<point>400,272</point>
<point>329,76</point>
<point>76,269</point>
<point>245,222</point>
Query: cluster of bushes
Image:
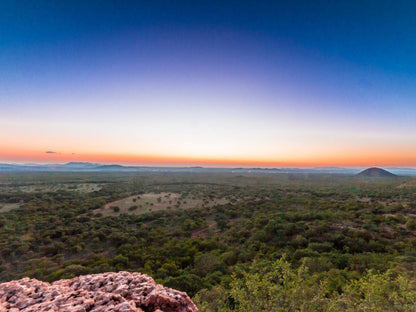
<point>277,286</point>
<point>337,227</point>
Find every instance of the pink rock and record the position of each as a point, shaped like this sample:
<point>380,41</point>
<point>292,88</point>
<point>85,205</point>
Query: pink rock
<point>113,292</point>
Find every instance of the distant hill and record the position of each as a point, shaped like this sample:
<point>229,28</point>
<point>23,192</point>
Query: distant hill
<point>376,173</point>
<point>112,168</point>
<point>77,166</point>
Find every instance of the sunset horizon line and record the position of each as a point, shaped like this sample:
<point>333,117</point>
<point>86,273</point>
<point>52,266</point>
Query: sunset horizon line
<point>208,164</point>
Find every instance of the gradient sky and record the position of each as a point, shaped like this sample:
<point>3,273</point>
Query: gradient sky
<point>264,83</point>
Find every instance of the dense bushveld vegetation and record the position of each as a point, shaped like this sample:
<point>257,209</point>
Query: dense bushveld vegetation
<point>281,242</point>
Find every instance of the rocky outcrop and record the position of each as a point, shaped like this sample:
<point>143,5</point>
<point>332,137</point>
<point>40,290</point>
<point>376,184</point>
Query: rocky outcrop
<point>122,291</point>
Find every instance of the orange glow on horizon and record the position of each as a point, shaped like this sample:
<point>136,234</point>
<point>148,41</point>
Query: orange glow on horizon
<point>350,159</point>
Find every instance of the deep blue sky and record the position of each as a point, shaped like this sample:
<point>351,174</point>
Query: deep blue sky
<point>297,81</point>
<point>379,34</point>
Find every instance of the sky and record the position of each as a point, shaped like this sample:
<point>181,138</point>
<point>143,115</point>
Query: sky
<point>210,83</point>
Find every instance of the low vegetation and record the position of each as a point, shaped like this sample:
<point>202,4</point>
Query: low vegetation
<point>257,242</point>
<point>276,286</point>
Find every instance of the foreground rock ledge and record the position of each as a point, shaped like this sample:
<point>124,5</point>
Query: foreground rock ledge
<point>122,291</point>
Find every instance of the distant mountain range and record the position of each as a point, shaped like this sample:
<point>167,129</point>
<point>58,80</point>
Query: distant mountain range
<point>93,167</point>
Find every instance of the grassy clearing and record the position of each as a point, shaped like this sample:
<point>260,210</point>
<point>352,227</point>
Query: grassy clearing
<point>150,202</point>
<point>5,207</point>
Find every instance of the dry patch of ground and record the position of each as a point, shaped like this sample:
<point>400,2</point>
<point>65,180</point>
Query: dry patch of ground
<point>351,226</point>
<point>150,202</point>
<point>5,207</point>
<point>202,233</point>
<point>396,214</point>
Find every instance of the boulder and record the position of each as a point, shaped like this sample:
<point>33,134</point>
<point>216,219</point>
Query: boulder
<point>122,291</point>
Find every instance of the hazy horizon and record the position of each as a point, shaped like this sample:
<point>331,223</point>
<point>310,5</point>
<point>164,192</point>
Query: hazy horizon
<point>209,83</point>
<point>207,166</point>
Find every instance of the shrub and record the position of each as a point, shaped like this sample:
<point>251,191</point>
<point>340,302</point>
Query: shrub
<point>132,208</point>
